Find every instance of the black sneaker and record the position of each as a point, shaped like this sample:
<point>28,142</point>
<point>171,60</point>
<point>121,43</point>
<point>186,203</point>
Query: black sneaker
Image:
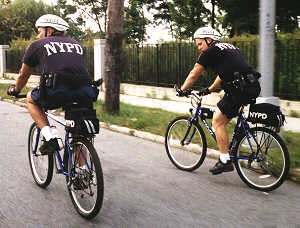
<point>49,147</point>
<point>220,167</point>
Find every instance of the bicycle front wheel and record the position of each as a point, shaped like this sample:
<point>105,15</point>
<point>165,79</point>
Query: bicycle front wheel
<point>85,183</point>
<point>41,165</point>
<point>185,148</point>
<point>267,167</point>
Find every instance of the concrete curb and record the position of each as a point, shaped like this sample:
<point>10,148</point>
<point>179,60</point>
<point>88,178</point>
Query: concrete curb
<point>151,137</point>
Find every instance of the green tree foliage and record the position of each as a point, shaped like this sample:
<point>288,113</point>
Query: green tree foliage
<point>135,23</point>
<point>286,15</point>
<point>17,20</point>
<point>4,3</point>
<point>242,16</point>
<point>66,11</point>
<point>86,9</point>
<point>183,17</point>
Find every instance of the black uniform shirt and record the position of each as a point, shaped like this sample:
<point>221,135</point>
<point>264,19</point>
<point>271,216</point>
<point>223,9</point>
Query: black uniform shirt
<point>224,59</point>
<point>56,54</point>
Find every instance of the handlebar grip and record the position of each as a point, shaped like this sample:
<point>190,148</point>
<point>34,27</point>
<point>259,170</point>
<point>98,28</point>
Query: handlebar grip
<point>97,82</point>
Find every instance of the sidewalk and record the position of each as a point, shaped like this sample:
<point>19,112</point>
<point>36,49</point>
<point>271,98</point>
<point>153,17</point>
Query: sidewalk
<point>292,124</point>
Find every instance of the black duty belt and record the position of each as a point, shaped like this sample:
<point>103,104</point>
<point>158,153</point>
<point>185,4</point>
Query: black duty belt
<point>52,80</point>
<point>241,81</point>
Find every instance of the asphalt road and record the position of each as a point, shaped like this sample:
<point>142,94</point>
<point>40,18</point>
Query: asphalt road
<point>142,188</point>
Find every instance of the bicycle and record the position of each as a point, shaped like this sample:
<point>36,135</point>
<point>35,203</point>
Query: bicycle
<point>79,162</point>
<point>259,154</point>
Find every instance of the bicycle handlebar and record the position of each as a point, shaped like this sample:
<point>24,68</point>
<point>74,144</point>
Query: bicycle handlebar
<point>20,96</point>
<point>93,83</point>
<point>97,82</point>
<point>188,92</point>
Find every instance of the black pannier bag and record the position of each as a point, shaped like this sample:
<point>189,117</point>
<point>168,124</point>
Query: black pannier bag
<point>82,121</point>
<point>267,114</point>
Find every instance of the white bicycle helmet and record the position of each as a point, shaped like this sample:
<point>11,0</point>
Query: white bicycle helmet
<point>53,21</point>
<point>207,32</point>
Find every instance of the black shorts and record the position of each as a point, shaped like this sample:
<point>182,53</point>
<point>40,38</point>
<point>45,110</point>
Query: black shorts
<point>230,104</point>
<point>63,95</point>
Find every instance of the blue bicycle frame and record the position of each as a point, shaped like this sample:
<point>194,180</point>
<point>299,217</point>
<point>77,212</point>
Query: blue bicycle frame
<point>240,122</point>
<point>66,148</point>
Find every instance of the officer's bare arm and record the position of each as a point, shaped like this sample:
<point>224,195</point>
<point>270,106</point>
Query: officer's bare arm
<point>192,77</point>
<point>24,75</point>
<point>216,84</point>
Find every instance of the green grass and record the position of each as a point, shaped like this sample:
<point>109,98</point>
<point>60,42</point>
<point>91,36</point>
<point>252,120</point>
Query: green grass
<point>135,117</point>
<point>155,121</point>
<point>294,113</point>
<point>3,91</point>
<point>291,139</point>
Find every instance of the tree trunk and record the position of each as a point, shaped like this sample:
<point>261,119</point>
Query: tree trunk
<point>113,51</point>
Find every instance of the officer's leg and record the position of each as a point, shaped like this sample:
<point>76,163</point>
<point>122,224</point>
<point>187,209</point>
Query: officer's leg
<point>40,118</point>
<point>37,113</point>
<point>219,124</point>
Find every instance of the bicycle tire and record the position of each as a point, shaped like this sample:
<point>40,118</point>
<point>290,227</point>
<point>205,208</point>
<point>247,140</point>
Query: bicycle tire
<point>41,165</point>
<point>271,168</point>
<point>88,182</point>
<point>190,156</point>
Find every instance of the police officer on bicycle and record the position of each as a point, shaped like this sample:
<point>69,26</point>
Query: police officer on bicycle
<point>64,75</point>
<point>235,76</point>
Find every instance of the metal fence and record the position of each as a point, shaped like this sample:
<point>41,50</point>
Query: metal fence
<point>14,60</point>
<point>159,65</point>
<point>169,63</point>
<point>287,70</point>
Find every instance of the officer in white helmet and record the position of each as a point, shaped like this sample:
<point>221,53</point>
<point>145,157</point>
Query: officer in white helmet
<point>56,55</point>
<point>205,33</point>
<point>229,64</point>
<point>51,25</point>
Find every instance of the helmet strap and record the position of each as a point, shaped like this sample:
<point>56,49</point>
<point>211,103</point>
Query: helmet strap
<point>46,31</point>
<point>210,43</point>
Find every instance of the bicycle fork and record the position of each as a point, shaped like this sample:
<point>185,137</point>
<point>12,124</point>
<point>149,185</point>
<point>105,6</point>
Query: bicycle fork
<point>187,133</point>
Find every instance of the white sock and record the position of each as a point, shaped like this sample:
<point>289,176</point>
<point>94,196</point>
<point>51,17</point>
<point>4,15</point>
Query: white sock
<point>224,158</point>
<point>46,132</point>
<point>82,167</point>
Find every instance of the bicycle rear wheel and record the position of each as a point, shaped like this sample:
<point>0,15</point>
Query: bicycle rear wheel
<point>190,154</point>
<point>41,165</point>
<point>85,186</point>
<point>268,170</point>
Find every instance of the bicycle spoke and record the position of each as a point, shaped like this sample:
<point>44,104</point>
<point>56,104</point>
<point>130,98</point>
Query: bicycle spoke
<point>86,189</point>
<point>269,167</point>
<point>41,165</point>
<point>190,153</point>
